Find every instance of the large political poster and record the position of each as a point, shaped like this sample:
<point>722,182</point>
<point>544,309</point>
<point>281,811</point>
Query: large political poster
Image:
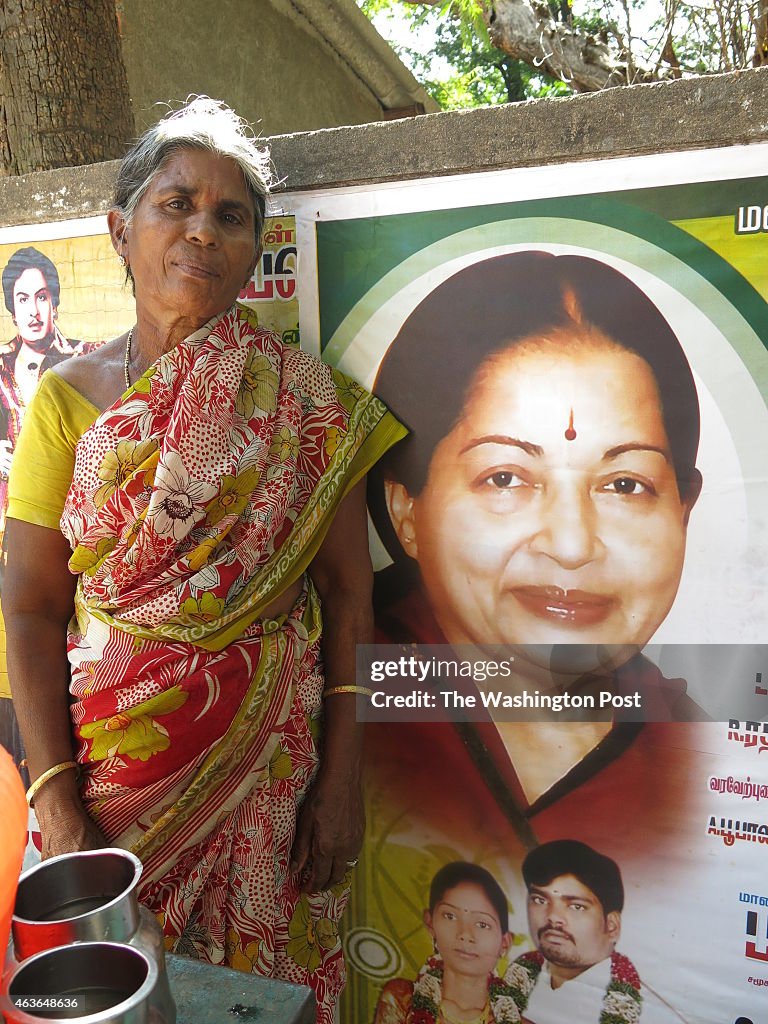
<point>64,293</point>
<point>578,514</point>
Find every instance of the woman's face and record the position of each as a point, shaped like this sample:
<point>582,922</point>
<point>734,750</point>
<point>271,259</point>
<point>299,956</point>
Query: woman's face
<point>190,244</point>
<point>551,513</point>
<point>466,930</point>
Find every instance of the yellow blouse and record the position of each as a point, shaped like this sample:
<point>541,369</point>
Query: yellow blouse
<point>44,458</point>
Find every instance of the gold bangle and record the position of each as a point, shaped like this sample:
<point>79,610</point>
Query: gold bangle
<point>363,690</point>
<point>51,773</point>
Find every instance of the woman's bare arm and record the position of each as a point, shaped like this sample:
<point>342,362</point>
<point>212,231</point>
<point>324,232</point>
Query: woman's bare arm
<point>38,601</point>
<point>332,821</point>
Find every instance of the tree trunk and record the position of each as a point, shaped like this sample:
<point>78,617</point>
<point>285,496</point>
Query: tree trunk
<point>63,89</point>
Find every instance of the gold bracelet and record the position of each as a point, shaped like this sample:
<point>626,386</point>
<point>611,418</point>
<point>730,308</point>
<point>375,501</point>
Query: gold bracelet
<point>363,690</point>
<point>51,773</point>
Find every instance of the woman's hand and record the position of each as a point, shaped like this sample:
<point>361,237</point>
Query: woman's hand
<point>329,831</point>
<point>65,826</point>
<point>70,833</point>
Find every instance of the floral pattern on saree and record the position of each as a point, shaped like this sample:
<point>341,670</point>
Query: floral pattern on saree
<point>218,474</point>
<point>198,498</point>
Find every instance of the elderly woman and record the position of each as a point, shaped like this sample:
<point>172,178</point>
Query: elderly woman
<point>183,501</point>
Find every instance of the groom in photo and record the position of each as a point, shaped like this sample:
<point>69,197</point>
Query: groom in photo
<point>575,900</point>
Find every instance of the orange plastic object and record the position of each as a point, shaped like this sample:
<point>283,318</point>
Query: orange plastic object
<point>13,808</point>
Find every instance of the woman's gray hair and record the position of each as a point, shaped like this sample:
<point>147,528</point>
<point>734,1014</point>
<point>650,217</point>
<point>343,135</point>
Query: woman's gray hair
<point>202,123</point>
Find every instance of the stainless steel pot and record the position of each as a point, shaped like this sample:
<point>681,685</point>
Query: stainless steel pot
<point>84,898</point>
<point>91,982</point>
<point>78,897</point>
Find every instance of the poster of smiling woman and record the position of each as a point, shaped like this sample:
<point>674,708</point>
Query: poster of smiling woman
<point>579,356</point>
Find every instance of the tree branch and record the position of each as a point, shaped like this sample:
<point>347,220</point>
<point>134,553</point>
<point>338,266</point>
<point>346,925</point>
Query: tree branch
<point>526,30</point>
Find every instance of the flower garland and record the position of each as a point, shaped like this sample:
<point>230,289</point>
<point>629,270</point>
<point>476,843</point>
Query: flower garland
<point>621,1002</point>
<point>427,995</point>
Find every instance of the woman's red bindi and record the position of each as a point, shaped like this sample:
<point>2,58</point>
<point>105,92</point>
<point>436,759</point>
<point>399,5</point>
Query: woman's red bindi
<point>570,434</point>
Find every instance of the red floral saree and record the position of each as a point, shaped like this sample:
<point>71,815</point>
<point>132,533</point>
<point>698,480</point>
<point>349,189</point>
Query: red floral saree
<point>196,500</point>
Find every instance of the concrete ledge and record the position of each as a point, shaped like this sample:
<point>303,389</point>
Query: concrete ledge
<point>57,195</point>
<point>719,110</point>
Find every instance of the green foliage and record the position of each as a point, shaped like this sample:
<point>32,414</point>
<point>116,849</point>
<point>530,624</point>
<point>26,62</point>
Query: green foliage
<point>468,13</point>
<point>373,7</point>
<point>462,69</point>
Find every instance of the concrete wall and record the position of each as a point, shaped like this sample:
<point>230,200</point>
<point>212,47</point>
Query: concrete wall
<point>266,58</point>
<point>721,110</point>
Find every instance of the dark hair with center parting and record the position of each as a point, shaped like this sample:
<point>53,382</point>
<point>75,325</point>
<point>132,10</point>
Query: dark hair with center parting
<point>597,872</point>
<point>458,871</point>
<point>29,258</point>
<point>495,305</point>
